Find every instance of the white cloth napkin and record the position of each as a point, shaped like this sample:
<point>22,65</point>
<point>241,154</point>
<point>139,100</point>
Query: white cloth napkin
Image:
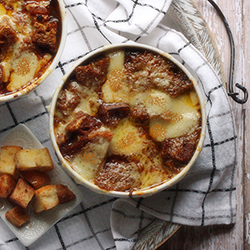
<point>206,196</point>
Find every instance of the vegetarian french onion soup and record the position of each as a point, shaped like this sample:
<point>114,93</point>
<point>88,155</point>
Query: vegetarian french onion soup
<point>29,38</point>
<point>127,120</point>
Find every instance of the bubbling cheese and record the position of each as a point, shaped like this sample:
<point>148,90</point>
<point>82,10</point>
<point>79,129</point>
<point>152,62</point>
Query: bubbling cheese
<point>25,67</point>
<point>127,139</point>
<point>182,119</point>
<point>87,162</point>
<point>116,60</point>
<point>24,70</point>
<point>158,102</point>
<point>89,104</point>
<point>115,88</point>
<point>2,10</point>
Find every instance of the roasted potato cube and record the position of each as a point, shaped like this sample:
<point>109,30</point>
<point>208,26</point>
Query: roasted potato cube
<point>22,193</point>
<point>34,159</point>
<point>36,178</point>
<point>17,216</point>
<point>7,184</point>
<point>7,162</point>
<point>64,193</point>
<point>45,198</point>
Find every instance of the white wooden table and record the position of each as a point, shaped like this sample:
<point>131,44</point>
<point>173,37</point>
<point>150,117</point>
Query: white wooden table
<point>237,13</point>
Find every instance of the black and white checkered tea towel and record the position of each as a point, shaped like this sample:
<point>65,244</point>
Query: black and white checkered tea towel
<point>206,196</point>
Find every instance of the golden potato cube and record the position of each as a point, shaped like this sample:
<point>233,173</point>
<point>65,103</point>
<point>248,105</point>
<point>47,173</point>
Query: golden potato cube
<point>7,162</point>
<point>7,184</point>
<point>22,193</point>
<point>45,198</point>
<point>17,216</point>
<point>34,159</point>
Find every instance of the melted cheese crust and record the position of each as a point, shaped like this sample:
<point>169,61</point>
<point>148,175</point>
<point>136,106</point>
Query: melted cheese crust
<point>87,162</point>
<point>127,139</point>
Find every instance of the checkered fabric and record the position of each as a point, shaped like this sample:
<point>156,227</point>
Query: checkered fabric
<point>205,196</point>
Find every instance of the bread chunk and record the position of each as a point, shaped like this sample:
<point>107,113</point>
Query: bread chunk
<point>45,198</point>
<point>17,216</point>
<point>64,194</point>
<point>45,34</point>
<point>34,159</point>
<point>22,193</point>
<point>8,36</point>
<point>36,178</point>
<point>7,184</point>
<point>7,162</point>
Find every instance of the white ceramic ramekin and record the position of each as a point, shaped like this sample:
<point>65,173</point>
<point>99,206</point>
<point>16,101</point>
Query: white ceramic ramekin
<point>149,191</point>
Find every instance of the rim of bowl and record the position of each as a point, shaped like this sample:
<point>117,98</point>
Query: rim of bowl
<point>24,91</point>
<point>142,192</point>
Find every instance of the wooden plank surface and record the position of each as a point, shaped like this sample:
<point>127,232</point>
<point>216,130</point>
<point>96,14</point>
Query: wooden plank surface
<point>237,236</point>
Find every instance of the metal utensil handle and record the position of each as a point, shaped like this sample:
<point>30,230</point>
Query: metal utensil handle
<point>232,60</point>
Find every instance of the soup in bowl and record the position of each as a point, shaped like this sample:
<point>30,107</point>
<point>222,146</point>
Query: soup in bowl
<point>32,38</point>
<point>127,120</point>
